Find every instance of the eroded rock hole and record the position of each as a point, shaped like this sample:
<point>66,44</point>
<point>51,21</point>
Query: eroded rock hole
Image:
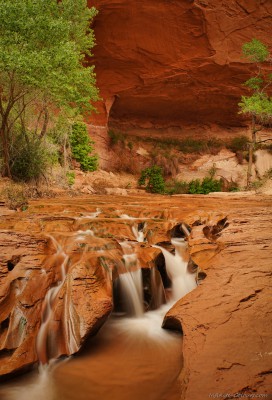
<point>213,232</point>
<point>172,323</point>
<point>12,262</point>
<point>193,268</point>
<point>181,230</point>
<point>4,324</point>
<point>6,353</point>
<point>161,267</point>
<point>201,275</point>
<point>10,265</point>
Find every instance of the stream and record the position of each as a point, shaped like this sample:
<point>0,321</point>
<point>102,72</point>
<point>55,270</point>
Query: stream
<point>131,357</point>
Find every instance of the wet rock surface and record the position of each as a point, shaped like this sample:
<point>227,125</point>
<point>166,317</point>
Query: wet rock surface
<point>226,320</point>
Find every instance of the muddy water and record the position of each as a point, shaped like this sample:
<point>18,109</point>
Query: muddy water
<point>129,359</point>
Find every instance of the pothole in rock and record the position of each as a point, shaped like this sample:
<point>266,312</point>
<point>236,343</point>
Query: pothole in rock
<point>214,232</point>
<point>13,262</point>
<point>180,230</point>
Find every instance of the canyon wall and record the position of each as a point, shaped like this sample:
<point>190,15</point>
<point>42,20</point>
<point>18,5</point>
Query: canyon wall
<point>174,62</point>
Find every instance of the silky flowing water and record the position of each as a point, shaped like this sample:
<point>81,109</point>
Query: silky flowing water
<point>131,357</point>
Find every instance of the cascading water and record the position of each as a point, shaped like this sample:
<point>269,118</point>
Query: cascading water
<point>138,233</point>
<point>132,287</point>
<point>137,229</point>
<point>139,351</point>
<point>176,266</point>
<point>44,332</point>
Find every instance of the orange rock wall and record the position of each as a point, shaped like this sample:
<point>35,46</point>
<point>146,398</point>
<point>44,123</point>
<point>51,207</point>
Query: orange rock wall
<point>175,62</point>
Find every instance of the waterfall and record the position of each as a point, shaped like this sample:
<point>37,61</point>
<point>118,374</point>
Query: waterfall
<point>44,334</point>
<point>135,348</point>
<point>131,282</point>
<point>176,266</point>
<point>131,287</point>
<point>138,233</point>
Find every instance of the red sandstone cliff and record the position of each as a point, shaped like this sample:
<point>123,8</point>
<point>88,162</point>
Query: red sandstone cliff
<point>175,62</point>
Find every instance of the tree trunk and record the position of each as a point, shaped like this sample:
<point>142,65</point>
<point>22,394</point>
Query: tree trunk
<point>250,162</point>
<point>5,151</point>
<point>45,122</point>
<point>251,151</point>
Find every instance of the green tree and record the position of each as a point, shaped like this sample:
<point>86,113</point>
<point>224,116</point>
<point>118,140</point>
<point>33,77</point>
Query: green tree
<point>81,146</point>
<point>43,46</point>
<point>152,179</point>
<point>258,105</point>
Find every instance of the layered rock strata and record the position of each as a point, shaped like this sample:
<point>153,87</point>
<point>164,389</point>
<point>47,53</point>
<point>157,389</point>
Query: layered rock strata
<point>173,63</point>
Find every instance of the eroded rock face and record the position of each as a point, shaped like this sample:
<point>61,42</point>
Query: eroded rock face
<point>29,268</point>
<point>172,63</point>
<point>226,321</point>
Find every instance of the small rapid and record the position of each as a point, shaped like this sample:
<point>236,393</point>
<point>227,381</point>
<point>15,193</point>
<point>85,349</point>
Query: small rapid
<point>44,333</point>
<point>131,356</point>
<point>176,266</point>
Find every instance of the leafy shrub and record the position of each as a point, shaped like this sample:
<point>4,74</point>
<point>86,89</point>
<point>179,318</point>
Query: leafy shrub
<point>192,145</point>
<point>81,147</point>
<point>239,143</point>
<point>70,176</point>
<point>116,137</point>
<point>15,196</point>
<point>152,179</point>
<point>234,187</point>
<point>30,157</point>
<point>196,186</point>
<point>186,145</point>
<point>207,185</point>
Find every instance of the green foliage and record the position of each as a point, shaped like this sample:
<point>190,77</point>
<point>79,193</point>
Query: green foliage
<point>152,179</point>
<point>116,137</point>
<point>15,196</point>
<point>205,186</point>
<point>70,175</point>
<point>196,186</point>
<point>30,157</point>
<point>255,51</point>
<point>239,143</point>
<point>234,187</point>
<point>259,104</point>
<point>43,46</point>
<point>81,146</point>
<point>187,145</point>
<point>254,83</point>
